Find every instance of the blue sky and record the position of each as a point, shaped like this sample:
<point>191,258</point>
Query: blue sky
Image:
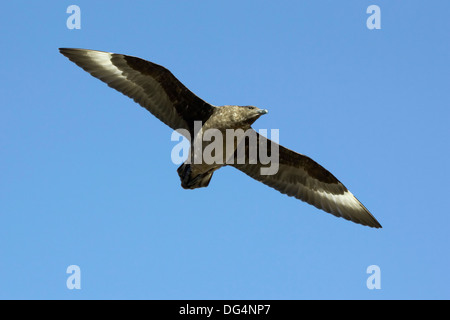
<point>87,180</point>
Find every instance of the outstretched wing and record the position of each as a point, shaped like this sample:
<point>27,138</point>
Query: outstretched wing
<point>301,177</point>
<point>152,86</point>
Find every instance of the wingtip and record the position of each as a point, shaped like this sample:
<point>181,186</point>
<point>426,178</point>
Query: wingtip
<point>378,226</point>
<point>370,222</point>
<point>66,51</point>
<point>375,226</point>
<point>373,223</point>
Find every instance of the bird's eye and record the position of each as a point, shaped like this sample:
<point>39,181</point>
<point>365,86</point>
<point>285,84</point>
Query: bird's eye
<point>251,108</point>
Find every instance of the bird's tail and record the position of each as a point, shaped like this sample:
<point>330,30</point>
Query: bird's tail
<point>189,181</point>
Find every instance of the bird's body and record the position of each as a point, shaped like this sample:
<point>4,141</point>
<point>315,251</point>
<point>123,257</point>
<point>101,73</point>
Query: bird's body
<point>156,89</point>
<point>216,132</point>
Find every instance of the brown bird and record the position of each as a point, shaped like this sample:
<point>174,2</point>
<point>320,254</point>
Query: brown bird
<point>156,89</point>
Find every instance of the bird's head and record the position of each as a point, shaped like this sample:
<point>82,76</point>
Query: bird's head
<point>245,115</point>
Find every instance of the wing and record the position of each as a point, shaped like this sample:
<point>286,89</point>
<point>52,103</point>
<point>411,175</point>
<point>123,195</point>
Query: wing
<point>301,177</point>
<point>152,86</point>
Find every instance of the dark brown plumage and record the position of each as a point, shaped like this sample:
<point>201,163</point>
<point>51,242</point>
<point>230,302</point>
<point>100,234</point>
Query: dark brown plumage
<point>156,89</point>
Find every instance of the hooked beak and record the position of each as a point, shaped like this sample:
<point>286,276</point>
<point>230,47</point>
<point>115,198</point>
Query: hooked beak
<point>262,111</point>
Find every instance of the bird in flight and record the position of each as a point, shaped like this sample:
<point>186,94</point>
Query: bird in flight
<point>156,89</point>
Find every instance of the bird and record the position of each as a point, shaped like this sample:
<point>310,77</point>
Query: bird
<point>156,89</point>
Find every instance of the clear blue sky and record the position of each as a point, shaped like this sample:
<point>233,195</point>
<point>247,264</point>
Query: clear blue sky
<point>86,176</point>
